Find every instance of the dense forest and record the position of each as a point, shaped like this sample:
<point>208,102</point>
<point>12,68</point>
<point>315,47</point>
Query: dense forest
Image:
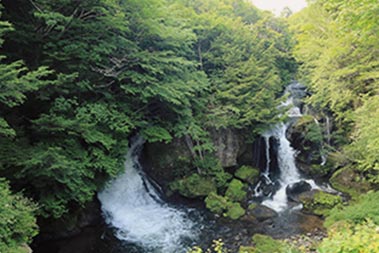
<point>80,78</point>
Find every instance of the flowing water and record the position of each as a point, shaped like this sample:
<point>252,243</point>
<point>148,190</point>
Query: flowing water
<point>135,209</point>
<point>289,174</point>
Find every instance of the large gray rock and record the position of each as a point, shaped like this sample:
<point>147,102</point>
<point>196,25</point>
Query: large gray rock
<point>229,145</point>
<point>294,190</point>
<point>163,162</point>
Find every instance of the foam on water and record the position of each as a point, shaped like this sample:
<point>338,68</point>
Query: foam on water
<point>134,208</point>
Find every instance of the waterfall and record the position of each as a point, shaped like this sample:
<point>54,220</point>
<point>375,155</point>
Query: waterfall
<point>134,208</point>
<point>289,173</point>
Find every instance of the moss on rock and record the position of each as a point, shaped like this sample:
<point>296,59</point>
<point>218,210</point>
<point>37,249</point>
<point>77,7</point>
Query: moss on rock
<point>235,211</point>
<point>347,180</point>
<point>222,206</point>
<point>247,174</point>
<point>319,202</point>
<point>236,191</point>
<point>194,186</point>
<point>216,203</point>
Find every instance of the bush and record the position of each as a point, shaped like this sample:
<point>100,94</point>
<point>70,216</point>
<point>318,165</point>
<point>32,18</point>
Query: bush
<point>344,238</point>
<point>266,244</point>
<point>365,208</point>
<point>17,223</point>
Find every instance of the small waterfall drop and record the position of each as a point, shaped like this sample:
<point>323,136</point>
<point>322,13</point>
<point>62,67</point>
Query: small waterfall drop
<point>134,208</point>
<point>289,173</point>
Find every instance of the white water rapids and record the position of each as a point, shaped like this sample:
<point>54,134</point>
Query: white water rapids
<point>134,208</point>
<point>286,158</point>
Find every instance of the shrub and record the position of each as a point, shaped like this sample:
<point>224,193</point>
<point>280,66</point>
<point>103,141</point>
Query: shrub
<point>266,244</point>
<point>17,223</point>
<point>344,238</point>
<point>367,207</point>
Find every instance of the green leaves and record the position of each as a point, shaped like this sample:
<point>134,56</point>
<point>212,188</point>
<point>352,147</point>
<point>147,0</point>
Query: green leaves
<point>83,76</point>
<point>17,222</point>
<point>336,43</point>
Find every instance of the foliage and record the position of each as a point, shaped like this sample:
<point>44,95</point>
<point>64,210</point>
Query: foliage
<point>321,202</point>
<point>365,148</point>
<point>247,174</point>
<point>223,206</point>
<point>236,191</point>
<point>211,167</point>
<point>349,180</point>
<point>345,238</point>
<point>366,207</point>
<point>264,243</point>
<point>194,186</point>
<point>17,221</point>
<point>217,247</point>
<point>339,54</point>
<point>235,211</point>
<point>216,203</point>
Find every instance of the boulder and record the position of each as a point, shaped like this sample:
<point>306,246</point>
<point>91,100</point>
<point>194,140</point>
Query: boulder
<point>319,202</point>
<point>261,212</point>
<point>347,180</point>
<point>236,191</point>
<point>164,162</point>
<point>247,174</point>
<point>294,190</point>
<point>228,144</point>
<point>194,186</point>
<point>223,206</point>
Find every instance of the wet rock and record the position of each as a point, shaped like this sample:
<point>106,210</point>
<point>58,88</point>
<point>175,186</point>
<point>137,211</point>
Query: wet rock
<point>295,189</point>
<point>164,162</point>
<point>261,212</point>
<point>268,188</point>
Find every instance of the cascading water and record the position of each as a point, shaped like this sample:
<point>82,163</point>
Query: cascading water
<point>286,158</point>
<point>288,170</point>
<point>134,208</point>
